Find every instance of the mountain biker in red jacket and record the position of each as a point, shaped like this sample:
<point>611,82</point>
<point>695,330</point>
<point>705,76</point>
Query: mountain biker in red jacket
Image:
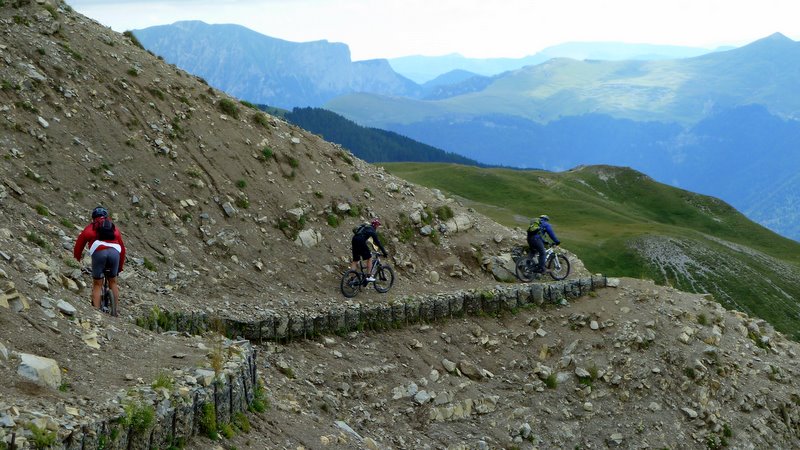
<point>107,254</point>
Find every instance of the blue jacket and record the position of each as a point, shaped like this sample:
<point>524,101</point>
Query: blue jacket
<point>545,227</point>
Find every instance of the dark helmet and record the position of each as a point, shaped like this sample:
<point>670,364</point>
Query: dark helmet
<point>375,223</point>
<point>99,212</point>
<point>544,217</point>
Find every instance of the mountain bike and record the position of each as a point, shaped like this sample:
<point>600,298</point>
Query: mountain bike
<point>556,263</point>
<point>108,301</point>
<point>354,280</point>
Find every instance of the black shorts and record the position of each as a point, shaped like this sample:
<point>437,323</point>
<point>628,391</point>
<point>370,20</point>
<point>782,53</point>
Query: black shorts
<point>105,259</point>
<point>360,249</point>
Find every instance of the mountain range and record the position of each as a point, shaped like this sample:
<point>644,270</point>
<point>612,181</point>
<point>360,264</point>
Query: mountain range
<point>678,120</point>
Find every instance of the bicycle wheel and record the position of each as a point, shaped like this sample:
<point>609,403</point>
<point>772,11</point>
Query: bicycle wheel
<point>524,269</point>
<point>558,265</point>
<point>384,279</point>
<point>351,283</point>
<point>110,302</point>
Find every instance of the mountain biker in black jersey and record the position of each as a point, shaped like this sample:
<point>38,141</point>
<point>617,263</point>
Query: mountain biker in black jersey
<point>364,241</point>
<point>536,232</point>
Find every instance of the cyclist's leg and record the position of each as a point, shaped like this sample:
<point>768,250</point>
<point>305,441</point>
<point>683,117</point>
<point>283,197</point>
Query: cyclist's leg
<point>538,244</point>
<point>112,270</point>
<point>98,265</point>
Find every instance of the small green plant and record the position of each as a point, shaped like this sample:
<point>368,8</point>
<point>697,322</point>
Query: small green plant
<point>241,184</point>
<point>690,372</point>
<point>72,52</point>
<point>242,202</point>
<point>163,380</point>
<point>51,9</point>
<point>208,421</point>
<point>38,240</point>
<point>261,119</point>
<point>241,422</point>
<point>333,220</point>
<point>64,386</point>
<point>133,72</point>
<point>42,438</point>
<point>138,416</point>
<point>702,319</point>
<point>42,210</point>
<point>435,239</point>
<point>40,51</point>
<point>726,430</point>
<point>267,153</point>
<point>131,37</point>
<point>149,265</point>
<point>345,157</point>
<point>259,403</point>
<point>156,93</point>
<point>226,431</point>
<point>319,194</point>
<point>229,107</point>
<point>293,162</point>
<point>444,212</point>
<point>551,381</point>
<point>355,177</point>
<point>66,222</point>
<point>248,104</point>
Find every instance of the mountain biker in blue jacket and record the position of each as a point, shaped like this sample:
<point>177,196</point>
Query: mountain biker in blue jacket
<point>363,243</point>
<point>536,232</point>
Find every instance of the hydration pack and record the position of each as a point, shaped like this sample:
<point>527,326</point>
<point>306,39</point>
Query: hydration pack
<point>106,230</point>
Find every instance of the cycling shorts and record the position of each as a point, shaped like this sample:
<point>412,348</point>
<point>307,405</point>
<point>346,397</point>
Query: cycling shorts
<point>105,259</point>
<point>361,249</point>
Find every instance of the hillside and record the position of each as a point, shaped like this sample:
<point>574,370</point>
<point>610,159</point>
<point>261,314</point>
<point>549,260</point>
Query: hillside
<point>231,215</point>
<point>370,144</point>
<point>622,222</point>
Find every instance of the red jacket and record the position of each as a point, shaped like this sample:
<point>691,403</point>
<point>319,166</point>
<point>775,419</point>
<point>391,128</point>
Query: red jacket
<point>89,236</point>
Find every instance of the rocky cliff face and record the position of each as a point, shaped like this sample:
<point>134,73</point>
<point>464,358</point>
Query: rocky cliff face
<point>266,70</point>
<point>229,212</point>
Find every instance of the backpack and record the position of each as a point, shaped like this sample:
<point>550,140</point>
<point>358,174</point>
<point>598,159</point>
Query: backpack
<point>535,227</point>
<point>360,229</point>
<point>106,230</point>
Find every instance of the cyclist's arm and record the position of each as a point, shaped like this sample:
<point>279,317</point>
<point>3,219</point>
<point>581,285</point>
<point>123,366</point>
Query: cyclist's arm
<point>552,234</point>
<point>377,241</point>
<point>77,252</point>
<point>122,252</point>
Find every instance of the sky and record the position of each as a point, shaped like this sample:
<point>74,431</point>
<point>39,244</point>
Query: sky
<point>472,28</point>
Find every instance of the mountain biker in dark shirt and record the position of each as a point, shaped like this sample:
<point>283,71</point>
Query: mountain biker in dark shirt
<point>108,254</point>
<point>363,242</point>
<point>536,232</point>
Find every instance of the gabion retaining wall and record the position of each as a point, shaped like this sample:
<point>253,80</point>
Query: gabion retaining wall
<point>410,310</point>
<point>179,417</point>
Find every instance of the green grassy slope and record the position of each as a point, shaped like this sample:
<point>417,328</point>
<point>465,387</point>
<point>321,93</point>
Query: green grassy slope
<point>622,223</point>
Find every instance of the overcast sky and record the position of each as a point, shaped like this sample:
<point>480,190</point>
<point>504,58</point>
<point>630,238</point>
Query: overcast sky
<point>473,28</point>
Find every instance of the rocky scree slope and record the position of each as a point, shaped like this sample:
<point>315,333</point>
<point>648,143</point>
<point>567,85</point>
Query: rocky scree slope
<point>637,366</point>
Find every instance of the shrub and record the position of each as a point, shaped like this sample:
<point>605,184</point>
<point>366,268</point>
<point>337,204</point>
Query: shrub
<point>551,381</point>
<point>139,417</point>
<point>241,184</point>
<point>149,265</point>
<point>229,107</point>
<point>243,203</point>
<point>248,104</point>
<point>333,220</point>
<point>131,37</point>
<point>267,153</point>
<point>42,438</point>
<point>356,177</point>
<point>133,72</point>
<point>702,319</point>
<point>38,240</point>
<point>293,162</point>
<point>241,422</point>
<point>227,431</point>
<point>42,210</point>
<point>163,380</point>
<point>261,119</point>
<point>208,421</point>
<point>444,212</point>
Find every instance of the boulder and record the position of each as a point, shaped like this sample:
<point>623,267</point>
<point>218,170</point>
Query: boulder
<point>503,269</point>
<point>459,223</point>
<point>308,238</point>
<point>40,370</point>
